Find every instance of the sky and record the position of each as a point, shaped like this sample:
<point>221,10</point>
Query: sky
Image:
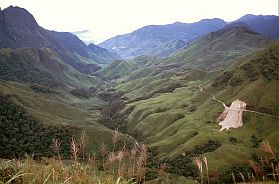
<point>107,18</point>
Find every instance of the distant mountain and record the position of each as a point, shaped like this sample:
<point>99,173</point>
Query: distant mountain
<point>103,56</point>
<point>265,24</point>
<point>86,36</point>
<point>71,42</point>
<point>250,18</point>
<point>148,38</point>
<point>211,53</point>
<point>94,52</point>
<point>219,49</point>
<point>168,48</point>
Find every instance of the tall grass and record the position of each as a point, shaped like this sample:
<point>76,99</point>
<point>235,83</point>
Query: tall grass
<point>264,170</point>
<point>126,165</point>
<point>82,167</point>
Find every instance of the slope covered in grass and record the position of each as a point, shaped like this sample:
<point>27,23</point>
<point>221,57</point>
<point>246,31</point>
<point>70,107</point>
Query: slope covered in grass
<point>43,66</point>
<point>60,108</point>
<point>200,60</point>
<point>174,123</point>
<point>219,49</point>
<point>116,69</point>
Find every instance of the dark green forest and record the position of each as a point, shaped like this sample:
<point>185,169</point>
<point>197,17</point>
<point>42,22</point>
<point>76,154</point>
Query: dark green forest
<point>21,134</point>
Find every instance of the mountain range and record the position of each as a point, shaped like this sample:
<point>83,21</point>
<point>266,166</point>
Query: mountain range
<point>146,39</point>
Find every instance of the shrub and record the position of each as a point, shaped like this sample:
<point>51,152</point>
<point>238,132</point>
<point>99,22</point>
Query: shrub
<point>255,141</point>
<point>223,79</point>
<point>42,88</point>
<point>233,140</point>
<point>81,92</point>
<point>192,108</point>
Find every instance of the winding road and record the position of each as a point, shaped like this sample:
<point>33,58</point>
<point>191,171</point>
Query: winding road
<point>226,107</point>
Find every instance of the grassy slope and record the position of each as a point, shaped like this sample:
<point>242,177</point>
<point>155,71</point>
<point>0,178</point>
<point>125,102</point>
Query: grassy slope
<point>164,127</point>
<point>61,109</point>
<point>213,52</point>
<point>219,49</point>
<point>116,69</point>
<point>53,63</point>
<point>40,66</point>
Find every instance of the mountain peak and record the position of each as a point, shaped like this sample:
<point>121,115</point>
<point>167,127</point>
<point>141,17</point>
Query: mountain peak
<point>237,24</point>
<point>251,17</point>
<point>19,17</point>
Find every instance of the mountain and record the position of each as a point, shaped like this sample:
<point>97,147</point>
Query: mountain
<point>41,67</point>
<point>211,53</point>
<point>265,24</point>
<point>219,49</point>
<point>39,73</point>
<point>169,48</point>
<point>103,56</point>
<point>73,43</point>
<point>86,36</point>
<point>148,38</point>
<point>19,29</point>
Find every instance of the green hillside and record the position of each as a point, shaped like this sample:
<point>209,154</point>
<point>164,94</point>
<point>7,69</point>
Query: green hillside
<point>211,53</point>
<point>219,49</point>
<point>60,108</point>
<point>43,66</point>
<point>174,123</point>
<point>116,69</point>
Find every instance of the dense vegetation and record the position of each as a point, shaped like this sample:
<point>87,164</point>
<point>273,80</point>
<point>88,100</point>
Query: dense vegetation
<point>111,115</point>
<point>14,66</point>
<point>182,164</point>
<point>41,88</point>
<point>20,134</point>
<point>84,92</point>
<point>265,64</point>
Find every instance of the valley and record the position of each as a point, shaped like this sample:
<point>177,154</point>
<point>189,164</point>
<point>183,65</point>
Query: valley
<point>161,95</point>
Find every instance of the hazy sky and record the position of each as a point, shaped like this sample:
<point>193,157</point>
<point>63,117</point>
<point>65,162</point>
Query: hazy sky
<point>107,18</point>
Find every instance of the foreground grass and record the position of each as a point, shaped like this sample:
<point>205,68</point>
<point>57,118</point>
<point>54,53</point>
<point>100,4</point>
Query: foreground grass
<point>52,171</point>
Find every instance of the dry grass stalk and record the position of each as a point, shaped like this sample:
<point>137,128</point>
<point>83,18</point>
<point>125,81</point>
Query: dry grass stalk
<point>242,177</point>
<point>206,166</point>
<point>267,148</point>
<point>56,146</point>
<point>83,143</point>
<point>257,170</point>
<point>104,152</point>
<point>198,163</point>
<point>233,178</point>
<point>115,138</point>
<point>74,149</point>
